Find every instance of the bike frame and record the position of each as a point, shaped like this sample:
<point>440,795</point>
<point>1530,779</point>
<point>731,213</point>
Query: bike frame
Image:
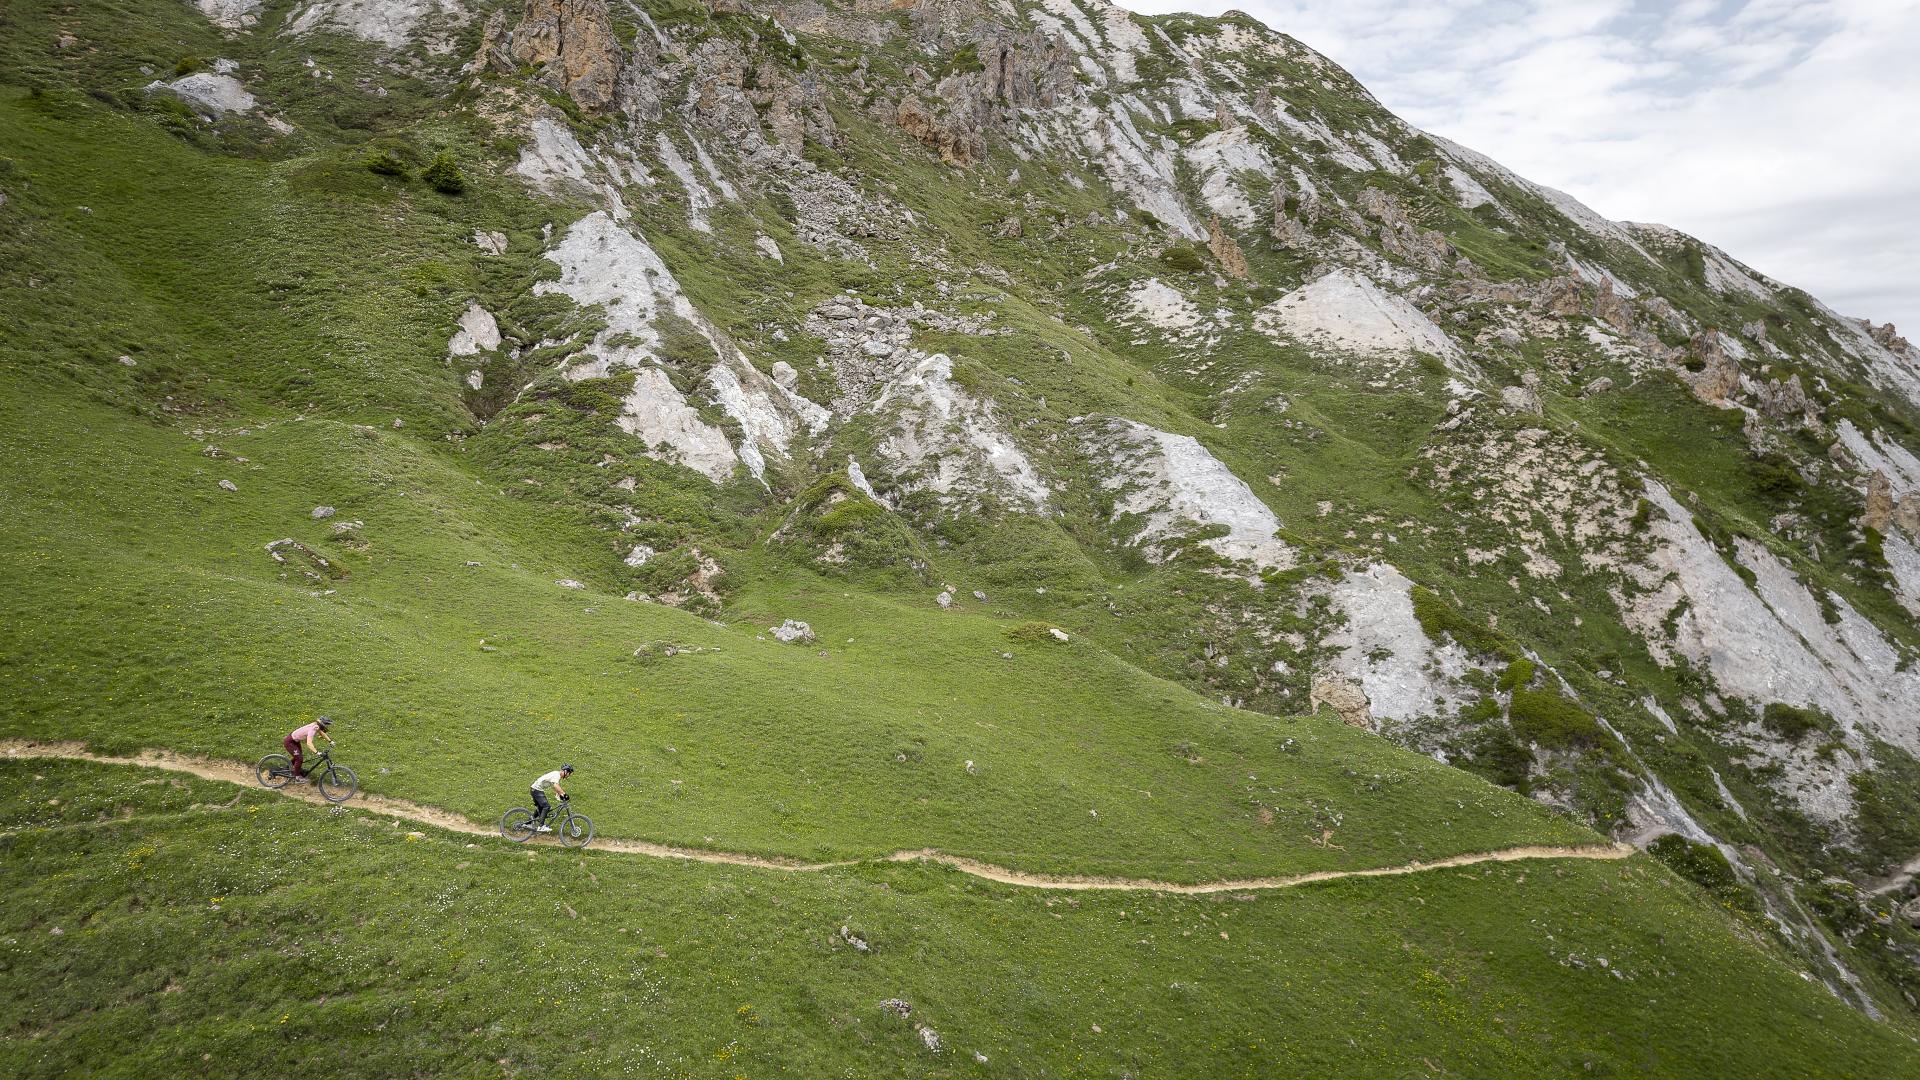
<point>314,765</point>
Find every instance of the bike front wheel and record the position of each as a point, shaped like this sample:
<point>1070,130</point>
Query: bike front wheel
<point>274,771</point>
<point>338,783</point>
<point>574,830</point>
<point>517,825</point>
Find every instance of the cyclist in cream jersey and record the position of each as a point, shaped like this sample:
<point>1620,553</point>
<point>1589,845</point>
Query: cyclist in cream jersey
<point>541,807</point>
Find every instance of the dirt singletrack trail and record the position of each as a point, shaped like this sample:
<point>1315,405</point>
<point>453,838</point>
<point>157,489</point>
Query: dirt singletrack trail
<point>234,772</point>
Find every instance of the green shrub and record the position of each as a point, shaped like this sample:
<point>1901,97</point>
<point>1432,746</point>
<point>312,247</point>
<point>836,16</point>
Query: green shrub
<point>1184,258</point>
<point>444,176</point>
<point>1031,633</point>
<point>1871,549</point>
<point>1776,478</point>
<point>1793,723</point>
<point>1543,716</point>
<point>386,164</point>
<point>1705,866</point>
<point>1518,674</point>
<point>1501,759</point>
<point>1437,617</point>
<point>188,65</point>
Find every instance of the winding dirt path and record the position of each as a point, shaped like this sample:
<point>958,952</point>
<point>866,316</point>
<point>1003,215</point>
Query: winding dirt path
<point>234,772</point>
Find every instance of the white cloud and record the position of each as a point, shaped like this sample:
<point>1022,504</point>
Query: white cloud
<point>1780,130</point>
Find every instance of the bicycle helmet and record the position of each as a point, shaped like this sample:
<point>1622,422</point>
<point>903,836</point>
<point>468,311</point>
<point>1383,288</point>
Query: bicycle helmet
<point>325,723</point>
<point>566,768</point>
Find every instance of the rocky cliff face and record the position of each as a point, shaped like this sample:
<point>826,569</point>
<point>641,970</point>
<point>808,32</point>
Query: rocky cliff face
<point>1166,329</point>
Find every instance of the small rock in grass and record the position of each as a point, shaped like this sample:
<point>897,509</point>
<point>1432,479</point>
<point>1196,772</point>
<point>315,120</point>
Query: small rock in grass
<point>897,1007</point>
<point>1058,634</point>
<point>228,485</point>
<point>569,583</point>
<point>980,596</point>
<point>793,631</point>
<point>945,599</point>
<point>929,1037</point>
<point>129,361</point>
<point>979,1058</point>
<point>322,512</point>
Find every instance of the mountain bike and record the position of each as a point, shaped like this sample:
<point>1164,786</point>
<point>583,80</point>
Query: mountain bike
<point>572,830</point>
<point>336,782</point>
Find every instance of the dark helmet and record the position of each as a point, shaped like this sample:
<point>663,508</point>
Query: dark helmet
<point>566,768</point>
<point>325,723</point>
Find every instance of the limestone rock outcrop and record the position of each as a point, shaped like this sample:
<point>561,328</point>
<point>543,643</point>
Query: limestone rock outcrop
<point>1221,243</point>
<point>1719,374</point>
<point>1879,510</point>
<point>1017,71</point>
<point>1344,697</point>
<point>570,42</point>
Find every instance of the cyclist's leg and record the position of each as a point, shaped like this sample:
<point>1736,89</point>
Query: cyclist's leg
<point>293,752</point>
<point>541,807</point>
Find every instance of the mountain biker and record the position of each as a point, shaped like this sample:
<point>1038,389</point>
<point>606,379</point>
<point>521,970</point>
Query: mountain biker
<point>541,807</point>
<point>305,734</point>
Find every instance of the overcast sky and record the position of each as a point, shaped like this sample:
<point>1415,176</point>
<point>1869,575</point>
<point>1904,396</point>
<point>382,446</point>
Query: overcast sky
<point>1784,131</point>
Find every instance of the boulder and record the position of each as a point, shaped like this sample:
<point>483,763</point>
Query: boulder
<point>1521,399</point>
<point>1785,400</point>
<point>1906,515</point>
<point>1719,374</point>
<point>793,632</point>
<point>1343,697</point>
<point>1879,510</point>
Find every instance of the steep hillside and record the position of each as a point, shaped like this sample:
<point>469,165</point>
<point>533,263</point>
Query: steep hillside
<point>1183,469</point>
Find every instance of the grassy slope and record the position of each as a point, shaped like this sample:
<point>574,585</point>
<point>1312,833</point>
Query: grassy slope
<point>228,931</point>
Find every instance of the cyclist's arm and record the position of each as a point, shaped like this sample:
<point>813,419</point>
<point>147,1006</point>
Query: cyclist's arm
<point>558,790</point>
<point>312,747</point>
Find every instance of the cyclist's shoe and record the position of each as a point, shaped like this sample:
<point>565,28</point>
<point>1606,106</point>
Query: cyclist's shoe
<point>543,828</point>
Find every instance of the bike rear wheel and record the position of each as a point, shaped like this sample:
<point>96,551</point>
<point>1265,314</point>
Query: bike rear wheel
<point>274,771</point>
<point>338,783</point>
<point>517,825</point>
<point>574,830</point>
